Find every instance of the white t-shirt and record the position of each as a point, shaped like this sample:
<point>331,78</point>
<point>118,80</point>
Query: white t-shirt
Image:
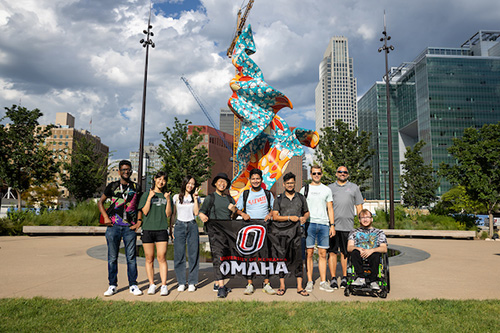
<point>317,198</point>
<point>184,211</point>
<point>257,206</point>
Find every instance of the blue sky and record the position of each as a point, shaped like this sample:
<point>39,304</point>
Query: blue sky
<point>84,56</point>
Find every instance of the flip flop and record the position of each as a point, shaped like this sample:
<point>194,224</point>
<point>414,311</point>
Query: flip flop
<point>303,292</point>
<point>281,292</point>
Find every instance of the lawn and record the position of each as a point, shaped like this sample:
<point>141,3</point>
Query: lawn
<point>39,314</point>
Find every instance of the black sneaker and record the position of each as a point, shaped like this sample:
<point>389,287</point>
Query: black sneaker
<point>343,282</point>
<point>334,283</point>
<point>216,287</point>
<point>223,291</point>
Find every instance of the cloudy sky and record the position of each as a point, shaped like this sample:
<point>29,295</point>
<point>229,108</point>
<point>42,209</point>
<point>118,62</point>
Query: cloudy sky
<point>84,56</point>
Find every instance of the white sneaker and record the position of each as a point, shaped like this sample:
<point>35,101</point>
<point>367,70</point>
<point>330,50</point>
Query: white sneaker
<point>374,285</point>
<point>249,289</point>
<point>358,282</point>
<point>134,289</point>
<point>151,289</point>
<point>111,291</point>
<point>309,286</point>
<point>191,288</point>
<point>268,289</point>
<point>181,287</point>
<point>325,286</point>
<point>164,290</point>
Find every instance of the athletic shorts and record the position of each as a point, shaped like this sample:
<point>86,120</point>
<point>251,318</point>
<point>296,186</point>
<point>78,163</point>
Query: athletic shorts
<point>339,242</point>
<point>319,233</point>
<point>154,236</point>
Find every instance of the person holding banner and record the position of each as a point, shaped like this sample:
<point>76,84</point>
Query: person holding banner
<point>256,204</point>
<point>155,208</point>
<point>218,206</point>
<point>186,207</point>
<point>291,207</point>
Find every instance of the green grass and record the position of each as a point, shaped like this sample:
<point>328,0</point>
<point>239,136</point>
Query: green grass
<point>40,314</point>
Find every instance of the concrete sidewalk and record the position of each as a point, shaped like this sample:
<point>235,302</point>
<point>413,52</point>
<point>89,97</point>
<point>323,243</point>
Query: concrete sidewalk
<point>68,267</point>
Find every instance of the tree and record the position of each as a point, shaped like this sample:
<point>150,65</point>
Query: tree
<point>24,160</point>
<point>418,185</point>
<point>457,201</point>
<point>340,146</point>
<point>86,172</point>
<point>182,156</point>
<point>477,166</point>
<point>45,195</point>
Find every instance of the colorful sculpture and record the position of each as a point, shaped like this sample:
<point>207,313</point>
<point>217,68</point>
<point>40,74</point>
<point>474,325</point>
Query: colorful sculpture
<point>266,142</point>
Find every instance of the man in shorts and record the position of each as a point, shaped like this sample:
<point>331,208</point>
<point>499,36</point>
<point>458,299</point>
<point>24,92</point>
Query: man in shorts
<point>346,197</point>
<point>321,227</point>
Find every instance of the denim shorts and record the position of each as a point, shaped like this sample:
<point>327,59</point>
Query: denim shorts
<point>318,233</point>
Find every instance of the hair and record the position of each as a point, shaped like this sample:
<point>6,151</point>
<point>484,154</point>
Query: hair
<point>316,166</point>
<point>124,162</point>
<point>183,188</point>
<point>365,212</point>
<point>158,175</point>
<point>255,172</point>
<point>288,176</point>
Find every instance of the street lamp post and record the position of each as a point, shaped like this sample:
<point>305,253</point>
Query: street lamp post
<point>385,188</point>
<point>145,43</point>
<point>386,50</point>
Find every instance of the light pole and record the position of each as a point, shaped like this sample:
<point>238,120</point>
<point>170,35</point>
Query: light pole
<point>386,50</point>
<point>385,188</point>
<point>145,44</point>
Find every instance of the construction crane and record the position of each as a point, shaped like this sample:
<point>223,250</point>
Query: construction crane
<point>198,100</point>
<point>240,24</point>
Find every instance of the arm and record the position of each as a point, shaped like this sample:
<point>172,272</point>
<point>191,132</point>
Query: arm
<point>147,206</point>
<point>171,224</point>
<point>365,253</point>
<point>196,207</point>
<point>100,204</point>
<point>359,208</point>
<point>168,207</point>
<point>331,217</point>
<point>303,219</point>
<point>279,218</point>
<point>245,216</point>
<point>139,221</point>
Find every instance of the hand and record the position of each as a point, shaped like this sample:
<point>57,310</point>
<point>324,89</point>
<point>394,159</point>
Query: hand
<point>134,226</point>
<point>268,216</point>
<point>203,218</point>
<point>108,222</point>
<point>167,195</point>
<point>302,220</point>
<point>293,218</point>
<point>332,231</point>
<point>232,207</point>
<point>365,253</point>
<point>245,216</point>
<point>195,194</point>
<point>151,194</point>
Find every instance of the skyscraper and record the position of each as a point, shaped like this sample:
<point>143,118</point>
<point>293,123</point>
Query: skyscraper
<point>336,91</point>
<point>434,98</point>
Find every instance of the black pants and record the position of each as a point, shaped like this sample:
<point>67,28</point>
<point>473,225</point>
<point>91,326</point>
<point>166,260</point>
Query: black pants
<point>373,261</point>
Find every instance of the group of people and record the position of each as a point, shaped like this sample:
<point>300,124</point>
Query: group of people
<point>325,212</point>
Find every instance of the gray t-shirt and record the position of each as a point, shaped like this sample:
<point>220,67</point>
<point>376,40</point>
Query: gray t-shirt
<point>344,199</point>
<point>295,207</point>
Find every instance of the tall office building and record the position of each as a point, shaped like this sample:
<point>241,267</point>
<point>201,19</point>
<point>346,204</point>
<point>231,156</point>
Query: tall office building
<point>151,162</point>
<point>434,98</point>
<point>336,92</point>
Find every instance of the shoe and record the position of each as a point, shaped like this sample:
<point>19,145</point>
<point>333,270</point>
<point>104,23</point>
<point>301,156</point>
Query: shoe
<point>333,284</point>
<point>164,290</point>
<point>268,289</point>
<point>309,286</point>
<point>249,289</point>
<point>111,291</point>
<point>374,285</point>
<point>216,287</point>
<point>181,287</point>
<point>343,282</point>
<point>325,286</point>
<point>151,289</point>
<point>134,289</point>
<point>223,291</point>
<point>359,282</point>
<point>191,288</point>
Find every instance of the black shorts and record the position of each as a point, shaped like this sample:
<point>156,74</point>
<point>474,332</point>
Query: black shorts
<point>339,242</point>
<point>154,236</point>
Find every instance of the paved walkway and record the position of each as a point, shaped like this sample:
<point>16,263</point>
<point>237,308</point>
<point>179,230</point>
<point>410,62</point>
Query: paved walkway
<point>73,267</point>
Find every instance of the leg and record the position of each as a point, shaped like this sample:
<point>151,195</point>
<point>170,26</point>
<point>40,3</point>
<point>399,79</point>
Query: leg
<point>129,239</point>
<point>322,264</point>
<point>343,262</point>
<point>310,264</point>
<point>332,264</point>
<point>161,253</point>
<point>180,252</point>
<point>113,238</point>
<point>193,247</point>
<point>357,262</point>
<point>374,261</point>
<point>149,253</point>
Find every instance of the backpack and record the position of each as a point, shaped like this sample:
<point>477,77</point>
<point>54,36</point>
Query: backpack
<point>246,193</point>
<point>306,190</point>
<point>212,206</point>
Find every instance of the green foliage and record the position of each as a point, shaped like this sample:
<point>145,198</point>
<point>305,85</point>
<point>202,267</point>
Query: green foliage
<point>457,201</point>
<point>24,160</point>
<point>45,196</point>
<point>339,146</point>
<point>418,185</point>
<point>182,156</point>
<point>86,172</point>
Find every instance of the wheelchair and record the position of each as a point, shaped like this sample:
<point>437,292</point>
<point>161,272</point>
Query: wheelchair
<point>383,279</point>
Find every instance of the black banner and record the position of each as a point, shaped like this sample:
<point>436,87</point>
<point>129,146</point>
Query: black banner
<point>255,248</point>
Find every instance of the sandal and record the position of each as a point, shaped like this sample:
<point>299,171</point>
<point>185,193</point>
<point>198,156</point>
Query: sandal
<point>303,292</point>
<point>281,292</point>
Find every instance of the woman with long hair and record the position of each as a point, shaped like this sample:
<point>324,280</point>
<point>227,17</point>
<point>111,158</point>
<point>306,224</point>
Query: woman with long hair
<point>186,207</point>
<point>156,207</point>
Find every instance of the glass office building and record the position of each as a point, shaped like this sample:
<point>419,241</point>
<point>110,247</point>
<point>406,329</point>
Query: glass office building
<point>434,98</point>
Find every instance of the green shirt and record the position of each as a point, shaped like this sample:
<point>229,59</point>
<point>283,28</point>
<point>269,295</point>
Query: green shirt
<point>156,218</point>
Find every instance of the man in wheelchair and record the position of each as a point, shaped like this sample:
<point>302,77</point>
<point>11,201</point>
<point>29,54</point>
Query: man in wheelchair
<point>366,244</point>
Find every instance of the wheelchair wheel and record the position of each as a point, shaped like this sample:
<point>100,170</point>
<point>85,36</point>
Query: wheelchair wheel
<point>347,292</point>
<point>387,275</point>
<point>383,294</point>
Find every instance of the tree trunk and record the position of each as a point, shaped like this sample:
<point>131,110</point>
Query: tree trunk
<point>490,216</point>
<point>18,200</point>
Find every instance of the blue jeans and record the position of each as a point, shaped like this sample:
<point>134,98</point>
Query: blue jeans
<point>318,233</point>
<point>186,232</point>
<point>114,235</point>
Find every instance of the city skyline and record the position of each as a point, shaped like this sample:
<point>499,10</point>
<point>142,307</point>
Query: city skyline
<point>86,59</point>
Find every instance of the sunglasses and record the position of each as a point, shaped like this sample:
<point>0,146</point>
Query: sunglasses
<point>316,173</point>
<point>343,172</point>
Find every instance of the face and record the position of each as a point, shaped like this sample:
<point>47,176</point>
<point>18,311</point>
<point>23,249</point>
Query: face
<point>342,174</point>
<point>190,185</point>
<point>125,171</point>
<point>221,185</point>
<point>255,181</point>
<point>366,220</point>
<point>160,182</point>
<point>290,185</point>
<point>316,175</point>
